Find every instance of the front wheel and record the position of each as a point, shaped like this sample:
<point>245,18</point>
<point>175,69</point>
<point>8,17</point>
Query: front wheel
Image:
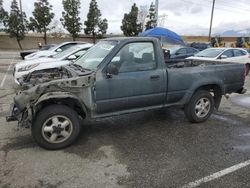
<point>200,107</point>
<point>56,127</point>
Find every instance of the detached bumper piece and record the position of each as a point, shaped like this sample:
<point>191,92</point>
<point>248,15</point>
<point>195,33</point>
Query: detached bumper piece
<point>13,113</point>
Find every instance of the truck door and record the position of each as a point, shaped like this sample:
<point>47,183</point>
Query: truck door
<point>139,82</point>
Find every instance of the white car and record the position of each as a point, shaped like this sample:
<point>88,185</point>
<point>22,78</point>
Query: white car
<point>25,67</point>
<point>237,55</point>
<point>53,51</point>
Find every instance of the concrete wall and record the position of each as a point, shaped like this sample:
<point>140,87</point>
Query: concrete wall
<point>31,42</point>
<point>205,39</point>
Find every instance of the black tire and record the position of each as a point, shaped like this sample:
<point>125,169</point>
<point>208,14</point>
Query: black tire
<point>191,110</point>
<point>47,116</point>
<point>247,69</point>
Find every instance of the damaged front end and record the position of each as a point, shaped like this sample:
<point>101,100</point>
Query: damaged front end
<point>51,85</point>
<point>21,116</point>
<point>42,76</point>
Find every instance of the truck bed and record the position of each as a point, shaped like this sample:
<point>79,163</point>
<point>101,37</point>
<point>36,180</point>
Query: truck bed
<point>185,76</point>
<point>181,63</point>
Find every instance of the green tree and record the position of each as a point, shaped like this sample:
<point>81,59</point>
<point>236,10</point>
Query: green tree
<point>42,17</point>
<point>16,23</point>
<point>95,26</point>
<point>152,22</point>
<point>130,25</point>
<point>103,26</point>
<point>70,17</point>
<point>3,14</point>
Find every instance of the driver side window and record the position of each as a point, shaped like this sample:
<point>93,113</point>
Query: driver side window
<point>134,57</point>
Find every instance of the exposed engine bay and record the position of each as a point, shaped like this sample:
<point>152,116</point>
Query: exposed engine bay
<point>43,76</point>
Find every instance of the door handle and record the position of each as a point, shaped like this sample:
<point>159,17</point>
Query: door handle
<point>155,77</point>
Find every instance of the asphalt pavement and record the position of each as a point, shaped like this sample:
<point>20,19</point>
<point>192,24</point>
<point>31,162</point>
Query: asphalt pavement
<point>148,149</point>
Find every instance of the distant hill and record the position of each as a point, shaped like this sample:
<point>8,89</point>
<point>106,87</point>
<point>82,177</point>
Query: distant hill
<point>235,33</point>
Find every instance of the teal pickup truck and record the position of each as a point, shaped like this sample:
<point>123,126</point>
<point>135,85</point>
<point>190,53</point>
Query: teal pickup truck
<point>119,76</point>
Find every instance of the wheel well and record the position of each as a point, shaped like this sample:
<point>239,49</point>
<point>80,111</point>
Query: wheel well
<point>216,90</point>
<point>72,103</point>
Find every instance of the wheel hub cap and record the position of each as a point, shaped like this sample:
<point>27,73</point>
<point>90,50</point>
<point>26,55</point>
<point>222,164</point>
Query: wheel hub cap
<point>202,107</point>
<point>57,129</point>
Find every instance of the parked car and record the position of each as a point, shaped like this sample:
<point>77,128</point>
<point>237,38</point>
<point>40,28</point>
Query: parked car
<point>112,79</point>
<point>25,67</point>
<point>248,50</point>
<point>182,52</point>
<point>52,51</point>
<point>27,52</point>
<point>200,45</point>
<point>237,55</point>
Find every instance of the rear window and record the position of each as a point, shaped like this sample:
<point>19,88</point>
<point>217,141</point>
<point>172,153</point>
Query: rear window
<point>191,50</point>
<point>210,53</point>
<point>239,53</point>
<point>243,52</point>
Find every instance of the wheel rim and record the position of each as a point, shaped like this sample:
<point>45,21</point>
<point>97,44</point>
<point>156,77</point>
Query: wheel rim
<point>57,129</point>
<point>202,107</point>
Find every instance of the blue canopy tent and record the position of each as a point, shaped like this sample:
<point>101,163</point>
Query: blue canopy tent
<point>165,35</point>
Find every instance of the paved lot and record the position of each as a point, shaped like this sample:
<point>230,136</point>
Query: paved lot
<point>152,149</point>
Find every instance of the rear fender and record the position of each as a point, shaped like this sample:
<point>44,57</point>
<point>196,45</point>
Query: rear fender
<point>215,87</point>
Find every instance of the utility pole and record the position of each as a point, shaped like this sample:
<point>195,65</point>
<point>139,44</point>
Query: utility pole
<point>211,22</point>
<point>156,11</point>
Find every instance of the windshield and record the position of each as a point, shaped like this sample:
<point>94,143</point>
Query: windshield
<point>95,55</point>
<point>66,52</point>
<point>210,53</point>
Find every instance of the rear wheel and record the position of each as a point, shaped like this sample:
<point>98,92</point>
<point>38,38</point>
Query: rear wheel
<point>56,127</point>
<point>200,107</point>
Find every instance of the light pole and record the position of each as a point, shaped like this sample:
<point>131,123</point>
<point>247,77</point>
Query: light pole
<point>156,11</point>
<point>211,22</point>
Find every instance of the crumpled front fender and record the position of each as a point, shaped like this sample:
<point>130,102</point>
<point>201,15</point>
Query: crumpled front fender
<point>59,96</point>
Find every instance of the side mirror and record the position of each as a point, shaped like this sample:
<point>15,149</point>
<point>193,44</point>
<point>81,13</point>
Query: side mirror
<point>166,54</point>
<point>59,50</point>
<point>111,70</point>
<point>223,57</point>
<point>72,57</point>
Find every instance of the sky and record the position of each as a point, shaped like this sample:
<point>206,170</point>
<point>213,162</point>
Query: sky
<point>186,17</point>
